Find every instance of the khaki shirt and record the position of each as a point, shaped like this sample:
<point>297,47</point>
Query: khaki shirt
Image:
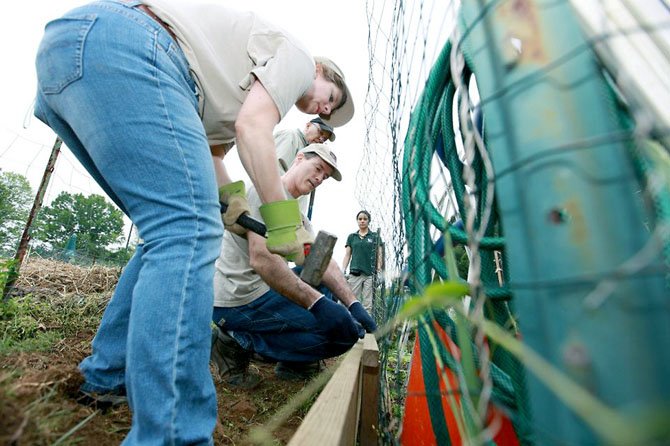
<point>235,281</point>
<point>226,49</point>
<point>288,143</point>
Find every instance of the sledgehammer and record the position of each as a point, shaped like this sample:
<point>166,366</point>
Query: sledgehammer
<point>317,255</point>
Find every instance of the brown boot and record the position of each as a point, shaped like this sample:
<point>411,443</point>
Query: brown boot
<point>232,361</point>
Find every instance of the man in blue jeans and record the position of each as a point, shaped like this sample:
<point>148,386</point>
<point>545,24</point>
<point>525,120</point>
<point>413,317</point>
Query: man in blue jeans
<point>261,306</point>
<point>149,98</point>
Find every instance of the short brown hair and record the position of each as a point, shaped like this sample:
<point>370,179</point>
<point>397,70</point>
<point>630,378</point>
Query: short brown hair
<point>336,79</point>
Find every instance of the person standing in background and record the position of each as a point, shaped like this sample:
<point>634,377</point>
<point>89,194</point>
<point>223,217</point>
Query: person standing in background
<point>364,250</point>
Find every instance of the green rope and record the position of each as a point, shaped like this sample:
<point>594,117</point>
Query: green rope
<point>432,122</point>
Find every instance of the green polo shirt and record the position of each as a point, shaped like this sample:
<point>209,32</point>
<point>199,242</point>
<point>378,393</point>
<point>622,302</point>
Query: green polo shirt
<point>363,252</point>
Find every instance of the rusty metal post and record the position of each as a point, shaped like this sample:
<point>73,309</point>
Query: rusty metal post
<point>37,204</point>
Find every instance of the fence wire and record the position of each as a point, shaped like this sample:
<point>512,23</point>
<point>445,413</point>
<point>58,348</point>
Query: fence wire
<point>434,155</point>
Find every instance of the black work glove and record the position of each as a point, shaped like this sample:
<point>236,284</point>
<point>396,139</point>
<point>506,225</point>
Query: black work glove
<point>358,312</point>
<point>335,321</point>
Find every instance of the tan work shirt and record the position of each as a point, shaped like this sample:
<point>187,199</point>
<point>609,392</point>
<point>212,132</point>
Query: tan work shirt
<point>289,143</point>
<point>226,49</point>
<point>236,283</point>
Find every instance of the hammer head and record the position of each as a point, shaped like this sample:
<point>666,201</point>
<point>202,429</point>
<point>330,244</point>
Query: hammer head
<point>318,258</point>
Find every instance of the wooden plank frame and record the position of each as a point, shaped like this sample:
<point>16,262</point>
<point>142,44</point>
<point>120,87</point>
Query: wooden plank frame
<point>347,408</point>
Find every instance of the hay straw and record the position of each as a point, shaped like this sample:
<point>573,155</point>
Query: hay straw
<point>48,276</point>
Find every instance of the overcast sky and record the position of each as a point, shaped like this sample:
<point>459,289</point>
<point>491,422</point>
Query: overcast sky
<point>337,30</point>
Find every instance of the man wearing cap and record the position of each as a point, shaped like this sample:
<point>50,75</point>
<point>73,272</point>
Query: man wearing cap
<point>289,142</point>
<point>261,306</point>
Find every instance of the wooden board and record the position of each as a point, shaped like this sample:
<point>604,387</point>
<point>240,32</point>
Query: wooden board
<point>350,398</point>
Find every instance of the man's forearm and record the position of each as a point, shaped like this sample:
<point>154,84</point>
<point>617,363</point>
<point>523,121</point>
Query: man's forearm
<point>276,273</point>
<point>222,176</point>
<point>255,145</point>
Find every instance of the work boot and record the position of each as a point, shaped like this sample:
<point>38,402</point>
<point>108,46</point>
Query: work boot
<point>232,361</point>
<point>260,358</point>
<point>102,400</point>
<point>297,371</point>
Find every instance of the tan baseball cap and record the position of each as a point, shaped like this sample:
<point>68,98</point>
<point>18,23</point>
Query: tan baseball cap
<point>346,111</point>
<point>325,154</point>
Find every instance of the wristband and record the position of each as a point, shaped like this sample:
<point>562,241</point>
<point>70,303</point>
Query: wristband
<point>314,303</point>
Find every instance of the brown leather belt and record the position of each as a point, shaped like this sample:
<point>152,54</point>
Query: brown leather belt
<point>145,9</point>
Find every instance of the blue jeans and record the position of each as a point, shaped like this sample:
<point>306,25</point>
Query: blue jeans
<point>277,328</point>
<point>116,88</point>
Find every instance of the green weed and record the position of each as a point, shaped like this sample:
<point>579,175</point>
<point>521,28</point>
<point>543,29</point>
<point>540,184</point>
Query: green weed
<point>31,324</point>
<point>7,271</point>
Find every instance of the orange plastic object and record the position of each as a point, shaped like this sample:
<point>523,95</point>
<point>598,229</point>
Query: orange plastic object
<point>417,429</point>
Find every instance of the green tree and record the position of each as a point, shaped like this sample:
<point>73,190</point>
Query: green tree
<point>96,223</point>
<point>120,256</point>
<point>15,199</point>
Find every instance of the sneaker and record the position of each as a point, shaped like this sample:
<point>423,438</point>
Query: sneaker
<point>102,400</point>
<point>232,361</point>
<point>297,371</point>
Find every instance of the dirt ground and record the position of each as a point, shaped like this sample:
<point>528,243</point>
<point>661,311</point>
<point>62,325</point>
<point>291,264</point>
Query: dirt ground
<point>38,398</point>
<point>44,407</point>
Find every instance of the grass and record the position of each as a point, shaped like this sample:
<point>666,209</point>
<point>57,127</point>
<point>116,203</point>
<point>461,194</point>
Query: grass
<point>43,339</point>
<point>33,324</point>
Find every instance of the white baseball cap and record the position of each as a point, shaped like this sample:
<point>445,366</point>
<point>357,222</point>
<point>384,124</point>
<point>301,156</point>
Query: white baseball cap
<point>325,154</point>
<point>345,112</point>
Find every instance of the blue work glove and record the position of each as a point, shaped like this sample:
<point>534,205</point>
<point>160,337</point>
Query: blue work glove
<point>336,321</point>
<point>358,312</point>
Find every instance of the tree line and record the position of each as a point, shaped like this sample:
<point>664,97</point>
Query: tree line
<point>73,227</point>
